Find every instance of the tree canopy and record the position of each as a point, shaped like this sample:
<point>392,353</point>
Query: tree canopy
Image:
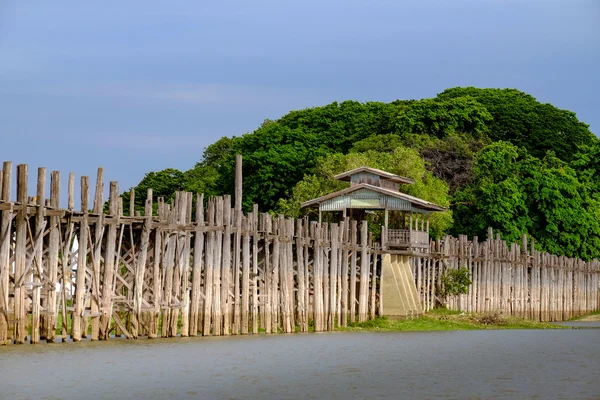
<point>498,157</point>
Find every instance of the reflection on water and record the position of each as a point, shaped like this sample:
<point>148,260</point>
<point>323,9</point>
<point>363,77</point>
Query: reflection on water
<point>561,364</point>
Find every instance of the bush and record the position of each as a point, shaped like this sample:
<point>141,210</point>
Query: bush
<point>456,281</point>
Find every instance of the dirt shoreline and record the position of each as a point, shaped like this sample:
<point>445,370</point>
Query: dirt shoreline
<point>590,318</point>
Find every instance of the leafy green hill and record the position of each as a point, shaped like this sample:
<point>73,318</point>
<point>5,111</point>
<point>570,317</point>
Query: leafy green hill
<point>497,157</point>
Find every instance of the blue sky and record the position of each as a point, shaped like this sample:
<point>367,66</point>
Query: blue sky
<point>137,86</point>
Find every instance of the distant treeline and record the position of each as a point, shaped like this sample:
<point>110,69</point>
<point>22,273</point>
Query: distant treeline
<point>496,157</point>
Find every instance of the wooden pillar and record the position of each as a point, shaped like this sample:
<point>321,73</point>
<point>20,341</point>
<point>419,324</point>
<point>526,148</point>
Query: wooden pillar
<point>5,245</point>
<point>410,227</point>
<point>78,321</point>
<point>37,272</point>
<point>20,331</point>
<point>386,218</point>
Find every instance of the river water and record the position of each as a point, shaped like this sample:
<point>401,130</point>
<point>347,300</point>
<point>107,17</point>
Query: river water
<point>502,364</point>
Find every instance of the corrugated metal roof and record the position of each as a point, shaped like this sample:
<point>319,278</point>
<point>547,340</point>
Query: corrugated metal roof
<point>365,190</point>
<point>345,176</point>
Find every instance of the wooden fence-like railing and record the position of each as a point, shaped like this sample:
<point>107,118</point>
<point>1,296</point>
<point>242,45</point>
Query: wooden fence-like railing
<point>193,267</point>
<point>509,279</point>
<point>202,267</point>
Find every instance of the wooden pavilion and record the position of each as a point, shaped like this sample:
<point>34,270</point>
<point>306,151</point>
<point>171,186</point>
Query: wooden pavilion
<point>406,219</point>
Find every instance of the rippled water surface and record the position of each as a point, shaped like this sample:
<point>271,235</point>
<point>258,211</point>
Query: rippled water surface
<point>556,364</point>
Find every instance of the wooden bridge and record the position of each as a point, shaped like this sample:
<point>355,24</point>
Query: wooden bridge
<point>197,267</point>
<point>182,270</point>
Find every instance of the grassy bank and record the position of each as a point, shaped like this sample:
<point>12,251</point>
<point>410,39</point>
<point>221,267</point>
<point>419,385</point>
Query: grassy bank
<point>447,320</point>
<point>591,317</point>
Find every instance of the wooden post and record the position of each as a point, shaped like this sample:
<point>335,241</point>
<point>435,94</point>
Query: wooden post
<point>5,246</point>
<point>245,276</point>
<point>226,267</point>
<point>195,320</point>
<point>333,276</point>
<point>218,252</point>
<point>268,295</point>
<point>254,302</point>
<point>96,256</point>
<point>317,278</point>
<point>353,259</point>
<point>275,294</point>
<point>184,263</point>
<point>78,315</point>
<point>37,273</point>
<point>140,268</point>
<point>208,270</point>
<point>364,273</point>
<point>53,249</point>
<point>109,263</point>
<point>20,334</point>
<point>237,245</point>
<point>71,193</point>
<point>301,275</point>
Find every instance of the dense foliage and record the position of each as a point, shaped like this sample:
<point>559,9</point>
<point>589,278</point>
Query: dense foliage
<point>498,157</point>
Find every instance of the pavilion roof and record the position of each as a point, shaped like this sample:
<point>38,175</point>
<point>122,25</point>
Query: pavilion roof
<point>345,176</point>
<point>415,201</point>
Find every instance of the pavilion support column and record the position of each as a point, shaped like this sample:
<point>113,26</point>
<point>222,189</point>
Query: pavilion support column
<point>384,234</point>
<point>320,215</point>
<point>386,218</point>
<point>410,225</point>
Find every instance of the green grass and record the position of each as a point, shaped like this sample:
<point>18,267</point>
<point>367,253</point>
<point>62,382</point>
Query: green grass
<point>447,320</point>
<point>597,312</point>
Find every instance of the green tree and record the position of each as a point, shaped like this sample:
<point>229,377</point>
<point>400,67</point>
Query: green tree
<point>515,193</point>
<point>520,119</point>
<point>163,184</point>
<point>442,117</point>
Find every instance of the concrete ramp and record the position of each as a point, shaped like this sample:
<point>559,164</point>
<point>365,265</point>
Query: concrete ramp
<point>399,297</point>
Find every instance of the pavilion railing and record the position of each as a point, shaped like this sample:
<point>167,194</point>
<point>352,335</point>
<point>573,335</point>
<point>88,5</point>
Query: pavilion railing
<point>408,238</point>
